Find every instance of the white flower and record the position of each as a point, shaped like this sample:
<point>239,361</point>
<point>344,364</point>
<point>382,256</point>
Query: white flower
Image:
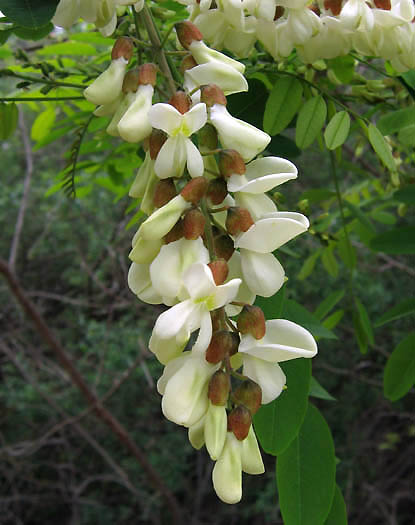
<point>357,15</point>
<point>244,295</point>
<point>174,327</point>
<point>226,77</point>
<point>215,429</point>
<point>237,134</point>
<point>204,54</point>
<point>178,149</point>
<point>144,172</point>
<point>162,220</point>
<point>283,340</point>
<point>107,87</point>
<point>134,125</point>
<point>139,282</point>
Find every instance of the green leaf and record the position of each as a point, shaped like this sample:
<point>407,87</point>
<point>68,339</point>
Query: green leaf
<point>399,375</point>
<point>333,320</point>
<point>360,333</point>
<point>338,511</point>
<point>282,104</point>
<point>316,390</point>
<point>381,147</point>
<point>314,196</point>
<point>396,120</point>
<point>397,241</point>
<point>29,13</point>
<point>310,121</point>
<point>308,265</point>
<point>347,252</point>
<point>8,119</point>
<point>407,135</point>
<point>272,306</point>
<point>360,215</point>
<point>384,217</point>
<point>277,423</point>
<point>343,68</point>
<point>43,124</point>
<point>249,106</point>
<point>406,307</point>
<point>29,33</point>
<point>406,194</point>
<point>328,304</point>
<point>306,473</point>
<point>68,48</point>
<point>329,261</point>
<point>365,321</point>
<point>295,312</point>
<point>337,130</point>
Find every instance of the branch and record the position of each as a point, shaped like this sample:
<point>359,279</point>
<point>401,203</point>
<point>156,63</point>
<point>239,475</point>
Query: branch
<point>116,427</point>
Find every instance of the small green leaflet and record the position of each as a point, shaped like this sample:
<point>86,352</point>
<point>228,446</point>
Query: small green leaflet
<point>295,312</point>
<point>277,423</point>
<point>68,48</point>
<point>396,120</point>
<point>306,473</point>
<point>381,147</point>
<point>406,307</point>
<point>396,241</point>
<point>365,321</point>
<point>272,306</point>
<point>338,512</point>
<point>310,121</point>
<point>282,104</point>
<point>29,13</point>
<point>337,130</point>
<point>309,264</point>
<point>8,119</point>
<point>328,304</point>
<point>399,374</point>
<point>406,194</point>
<point>43,124</point>
<point>316,390</point>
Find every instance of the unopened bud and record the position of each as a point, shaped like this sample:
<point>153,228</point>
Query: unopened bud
<point>188,62</point>
<point>216,318</point>
<point>147,74</point>
<point>220,270</point>
<point>249,394</point>
<point>164,192</point>
<point>224,247</point>
<point>279,11</point>
<point>252,321</point>
<point>175,233</point>
<point>194,190</point>
<point>193,224</point>
<point>223,343</point>
<point>231,163</point>
<point>383,4</point>
<point>335,6</point>
<point>217,191</point>
<point>131,81</point>
<point>123,47</point>
<point>181,101</point>
<point>239,422</point>
<point>219,387</point>
<point>315,8</point>
<point>156,141</point>
<point>238,220</point>
<point>187,32</point>
<point>212,94</point>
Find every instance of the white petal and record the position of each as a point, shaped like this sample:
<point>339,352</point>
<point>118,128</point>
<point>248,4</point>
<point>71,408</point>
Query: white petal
<point>224,294</point>
<point>203,54</point>
<point>195,165</point>
<point>145,251</point>
<point>263,175</point>
<point>198,280</point>
<point>138,187</point>
<point>140,284</point>
<point>258,205</point>
<point>197,434</point>
<point>227,472</point>
<point>165,117</point>
<point>269,377</point>
<point>195,118</point>
<point>174,321</point>
<point>67,13</point>
<point>223,75</point>
<point>216,423</point>
<point>170,369</point>
<point>262,272</point>
<point>134,126</point>
<point>107,87</point>
<point>171,158</point>
<point>205,334</point>
<point>251,455</point>
<point>162,220</point>
<point>244,295</point>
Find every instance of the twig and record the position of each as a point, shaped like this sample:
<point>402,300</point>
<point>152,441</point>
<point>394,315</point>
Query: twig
<point>116,427</point>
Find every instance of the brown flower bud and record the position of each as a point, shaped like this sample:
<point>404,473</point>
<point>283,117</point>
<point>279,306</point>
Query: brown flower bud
<point>252,321</point>
<point>224,247</point>
<point>220,270</point>
<point>239,422</point>
<point>123,47</point>
<point>383,4</point>
<point>212,94</point>
<point>249,394</point>
<point>164,192</point>
<point>218,389</point>
<point>156,141</point>
<point>194,190</point>
<point>217,191</point>
<point>193,224</point>
<point>181,101</point>
<point>238,220</point>
<point>223,343</point>
<point>188,62</point>
<point>147,74</point>
<point>231,163</point>
<point>187,32</point>
<point>335,6</point>
<point>315,8</point>
<point>279,11</point>
<point>175,233</point>
<point>207,138</point>
<point>216,317</point>
<point>131,81</point>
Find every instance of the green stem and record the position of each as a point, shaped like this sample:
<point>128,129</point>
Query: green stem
<point>208,230</point>
<point>8,73</point>
<point>37,99</point>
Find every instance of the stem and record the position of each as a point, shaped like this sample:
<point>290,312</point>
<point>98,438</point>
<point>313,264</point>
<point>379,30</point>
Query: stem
<point>208,230</point>
<point>35,80</point>
<point>39,99</point>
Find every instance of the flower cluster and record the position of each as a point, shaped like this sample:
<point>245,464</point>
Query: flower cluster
<point>206,249</point>
<point>320,29</point>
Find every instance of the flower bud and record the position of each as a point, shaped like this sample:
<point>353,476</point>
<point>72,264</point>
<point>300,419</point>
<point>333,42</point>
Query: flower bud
<point>207,138</point>
<point>219,387</point>
<point>156,141</point>
<point>123,47</point>
<point>217,191</point>
<point>239,422</point>
<point>212,94</point>
<point>216,317</point>
<point>252,321</point>
<point>188,62</point>
<point>165,191</point>
<point>147,74</point>
<point>335,6</point>
<point>194,190</point>
<point>238,220</point>
<point>175,233</point>
<point>279,11</point>
<point>315,8</point>
<point>224,247</point>
<point>130,82</point>
<point>187,32</point>
<point>249,394</point>
<point>220,270</point>
<point>231,163</point>
<point>223,343</point>
<point>193,224</point>
<point>181,101</point>
<point>383,4</point>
